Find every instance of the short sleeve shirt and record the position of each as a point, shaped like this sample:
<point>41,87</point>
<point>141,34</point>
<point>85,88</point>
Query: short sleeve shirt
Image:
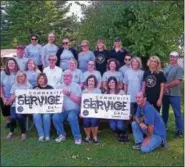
<point>153,82</point>
<point>116,74</point>
<point>77,76</point>
<point>95,73</point>
<point>32,76</point>
<point>22,62</point>
<point>83,60</point>
<point>123,69</point>
<point>173,73</point>
<point>64,58</point>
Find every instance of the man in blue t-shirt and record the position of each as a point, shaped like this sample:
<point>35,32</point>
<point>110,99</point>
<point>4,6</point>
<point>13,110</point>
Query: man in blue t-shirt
<point>147,123</point>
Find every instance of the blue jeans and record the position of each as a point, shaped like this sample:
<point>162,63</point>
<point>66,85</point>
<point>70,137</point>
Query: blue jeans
<point>90,122</point>
<point>43,124</point>
<point>72,118</point>
<point>155,140</point>
<point>176,106</point>
<point>19,117</point>
<point>116,125</point>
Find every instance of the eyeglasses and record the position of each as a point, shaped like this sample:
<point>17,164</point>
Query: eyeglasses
<point>52,59</point>
<point>33,39</point>
<point>127,59</point>
<point>65,43</point>
<point>83,46</point>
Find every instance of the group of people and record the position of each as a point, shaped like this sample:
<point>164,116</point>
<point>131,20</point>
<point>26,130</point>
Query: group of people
<point>104,72</point>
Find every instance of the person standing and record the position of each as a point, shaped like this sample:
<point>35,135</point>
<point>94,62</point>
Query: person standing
<point>118,52</point>
<point>102,55</point>
<point>53,73</point>
<point>153,82</point>
<point>8,76</point>
<point>172,93</point>
<point>85,56</point>
<point>33,51</point>
<point>21,59</point>
<point>65,53</point>
<point>49,49</point>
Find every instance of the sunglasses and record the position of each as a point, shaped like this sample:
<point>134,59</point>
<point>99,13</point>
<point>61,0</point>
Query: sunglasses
<point>33,39</point>
<point>52,59</point>
<point>127,59</point>
<point>83,46</point>
<point>65,43</point>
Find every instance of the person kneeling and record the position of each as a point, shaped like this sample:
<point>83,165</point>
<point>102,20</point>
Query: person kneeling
<point>147,123</point>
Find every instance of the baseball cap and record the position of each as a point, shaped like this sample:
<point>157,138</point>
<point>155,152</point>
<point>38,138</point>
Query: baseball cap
<point>20,47</point>
<point>174,53</point>
<point>117,39</point>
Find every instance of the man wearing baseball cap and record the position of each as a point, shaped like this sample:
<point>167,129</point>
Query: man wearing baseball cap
<point>21,59</point>
<point>172,93</point>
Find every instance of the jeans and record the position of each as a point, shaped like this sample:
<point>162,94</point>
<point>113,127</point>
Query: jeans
<point>116,125</point>
<point>72,117</point>
<point>90,122</point>
<point>43,124</point>
<point>20,119</point>
<point>155,140</point>
<point>176,106</point>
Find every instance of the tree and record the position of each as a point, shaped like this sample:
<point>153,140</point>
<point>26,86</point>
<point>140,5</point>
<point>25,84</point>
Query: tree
<point>146,28</point>
<point>24,18</point>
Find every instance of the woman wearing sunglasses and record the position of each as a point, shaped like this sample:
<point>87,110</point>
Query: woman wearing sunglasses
<point>85,56</point>
<point>65,53</point>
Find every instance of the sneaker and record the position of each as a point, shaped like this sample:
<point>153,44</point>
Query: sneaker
<point>9,136</point>
<point>86,140</point>
<point>47,139</point>
<point>123,138</point>
<point>60,138</point>
<point>78,141</point>
<point>179,134</point>
<point>137,146</point>
<point>23,136</point>
<point>41,139</point>
<point>95,140</point>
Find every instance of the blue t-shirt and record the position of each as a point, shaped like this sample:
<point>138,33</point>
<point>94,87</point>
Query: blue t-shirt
<point>6,82</point>
<point>22,62</point>
<point>83,60</point>
<point>95,73</point>
<point>32,76</point>
<point>152,117</point>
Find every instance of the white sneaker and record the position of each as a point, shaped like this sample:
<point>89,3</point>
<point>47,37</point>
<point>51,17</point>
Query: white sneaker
<point>23,136</point>
<point>60,138</point>
<point>41,139</point>
<point>9,136</point>
<point>47,139</point>
<point>78,141</point>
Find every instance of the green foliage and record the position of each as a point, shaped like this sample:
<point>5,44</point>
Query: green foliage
<point>146,28</point>
<point>24,18</point>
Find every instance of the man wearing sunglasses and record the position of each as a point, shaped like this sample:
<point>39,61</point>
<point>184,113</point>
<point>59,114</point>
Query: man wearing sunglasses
<point>127,61</point>
<point>65,53</point>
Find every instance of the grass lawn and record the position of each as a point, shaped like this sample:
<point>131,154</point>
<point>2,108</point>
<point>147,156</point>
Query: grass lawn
<point>108,153</point>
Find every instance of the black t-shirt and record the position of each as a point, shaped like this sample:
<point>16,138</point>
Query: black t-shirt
<point>119,56</point>
<point>101,60</point>
<point>46,87</point>
<point>153,81</point>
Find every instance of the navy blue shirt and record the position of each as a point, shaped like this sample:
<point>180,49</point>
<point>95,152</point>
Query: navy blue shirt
<point>152,117</point>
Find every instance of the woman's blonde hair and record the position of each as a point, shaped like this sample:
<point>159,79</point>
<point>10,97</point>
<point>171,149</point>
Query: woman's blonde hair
<point>17,75</point>
<point>85,41</point>
<point>157,60</point>
<point>138,60</point>
<point>103,42</point>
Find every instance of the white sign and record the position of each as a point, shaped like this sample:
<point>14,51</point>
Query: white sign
<point>41,101</point>
<point>106,106</point>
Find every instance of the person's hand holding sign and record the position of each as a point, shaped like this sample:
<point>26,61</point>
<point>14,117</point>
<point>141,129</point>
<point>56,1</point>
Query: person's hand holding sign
<point>66,92</point>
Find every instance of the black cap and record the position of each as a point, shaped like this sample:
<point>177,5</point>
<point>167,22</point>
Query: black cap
<point>117,39</point>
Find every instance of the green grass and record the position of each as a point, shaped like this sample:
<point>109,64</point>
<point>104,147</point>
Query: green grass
<point>108,153</point>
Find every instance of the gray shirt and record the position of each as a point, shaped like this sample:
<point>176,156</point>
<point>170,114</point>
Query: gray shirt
<point>77,76</point>
<point>123,69</point>
<point>34,52</point>
<point>75,89</point>
<point>172,73</point>
<point>47,50</point>
<point>133,79</point>
<point>83,60</point>
<point>116,74</point>
<point>95,73</point>
<point>22,62</point>
<point>64,58</point>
